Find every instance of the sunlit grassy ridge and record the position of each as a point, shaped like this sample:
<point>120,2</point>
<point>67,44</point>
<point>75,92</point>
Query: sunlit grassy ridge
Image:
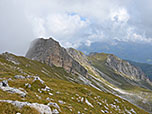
<point>63,88</point>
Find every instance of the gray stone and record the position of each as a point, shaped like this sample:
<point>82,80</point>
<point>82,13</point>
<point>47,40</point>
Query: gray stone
<point>46,88</point>
<point>38,78</point>
<point>18,113</point>
<point>4,83</point>
<point>9,79</point>
<point>19,77</point>
<point>51,94</point>
<point>43,109</point>
<point>48,98</point>
<point>61,102</point>
<point>55,105</point>
<point>11,58</point>
<point>28,76</point>
<point>55,111</point>
<point>5,87</point>
<point>28,85</point>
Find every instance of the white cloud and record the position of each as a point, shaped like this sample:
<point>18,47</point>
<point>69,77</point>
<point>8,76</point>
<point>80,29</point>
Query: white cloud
<point>66,28</point>
<point>120,15</point>
<point>140,38</point>
<point>88,43</point>
<point>75,22</point>
<point>38,26</point>
<point>65,24</point>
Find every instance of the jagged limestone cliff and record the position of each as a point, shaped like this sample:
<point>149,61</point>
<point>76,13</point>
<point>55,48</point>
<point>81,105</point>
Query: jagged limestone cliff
<point>125,68</point>
<point>50,52</point>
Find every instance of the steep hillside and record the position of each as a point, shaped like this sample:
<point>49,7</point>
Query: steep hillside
<point>146,68</point>
<point>117,76</point>
<point>30,87</point>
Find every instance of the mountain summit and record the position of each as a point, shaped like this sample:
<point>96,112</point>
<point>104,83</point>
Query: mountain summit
<point>50,52</point>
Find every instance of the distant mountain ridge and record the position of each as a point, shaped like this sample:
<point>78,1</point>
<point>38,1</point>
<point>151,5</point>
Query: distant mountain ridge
<point>125,68</point>
<point>139,52</point>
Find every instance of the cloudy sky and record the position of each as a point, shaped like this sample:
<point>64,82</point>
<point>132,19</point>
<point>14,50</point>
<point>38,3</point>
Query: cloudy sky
<point>73,22</point>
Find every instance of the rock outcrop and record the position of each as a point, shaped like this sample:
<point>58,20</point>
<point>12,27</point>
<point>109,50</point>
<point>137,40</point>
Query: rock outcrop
<point>125,68</point>
<point>9,57</point>
<point>43,109</point>
<point>50,52</point>
<point>5,87</point>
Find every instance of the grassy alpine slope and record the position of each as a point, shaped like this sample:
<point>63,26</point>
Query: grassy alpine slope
<point>136,92</point>
<point>70,95</point>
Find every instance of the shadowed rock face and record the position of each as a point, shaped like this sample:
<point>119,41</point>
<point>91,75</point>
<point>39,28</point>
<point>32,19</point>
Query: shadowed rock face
<point>50,52</point>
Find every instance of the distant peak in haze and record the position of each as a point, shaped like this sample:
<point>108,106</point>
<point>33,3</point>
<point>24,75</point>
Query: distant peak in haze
<point>122,49</point>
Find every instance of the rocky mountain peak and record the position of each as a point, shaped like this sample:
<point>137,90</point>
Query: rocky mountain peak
<point>50,52</point>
